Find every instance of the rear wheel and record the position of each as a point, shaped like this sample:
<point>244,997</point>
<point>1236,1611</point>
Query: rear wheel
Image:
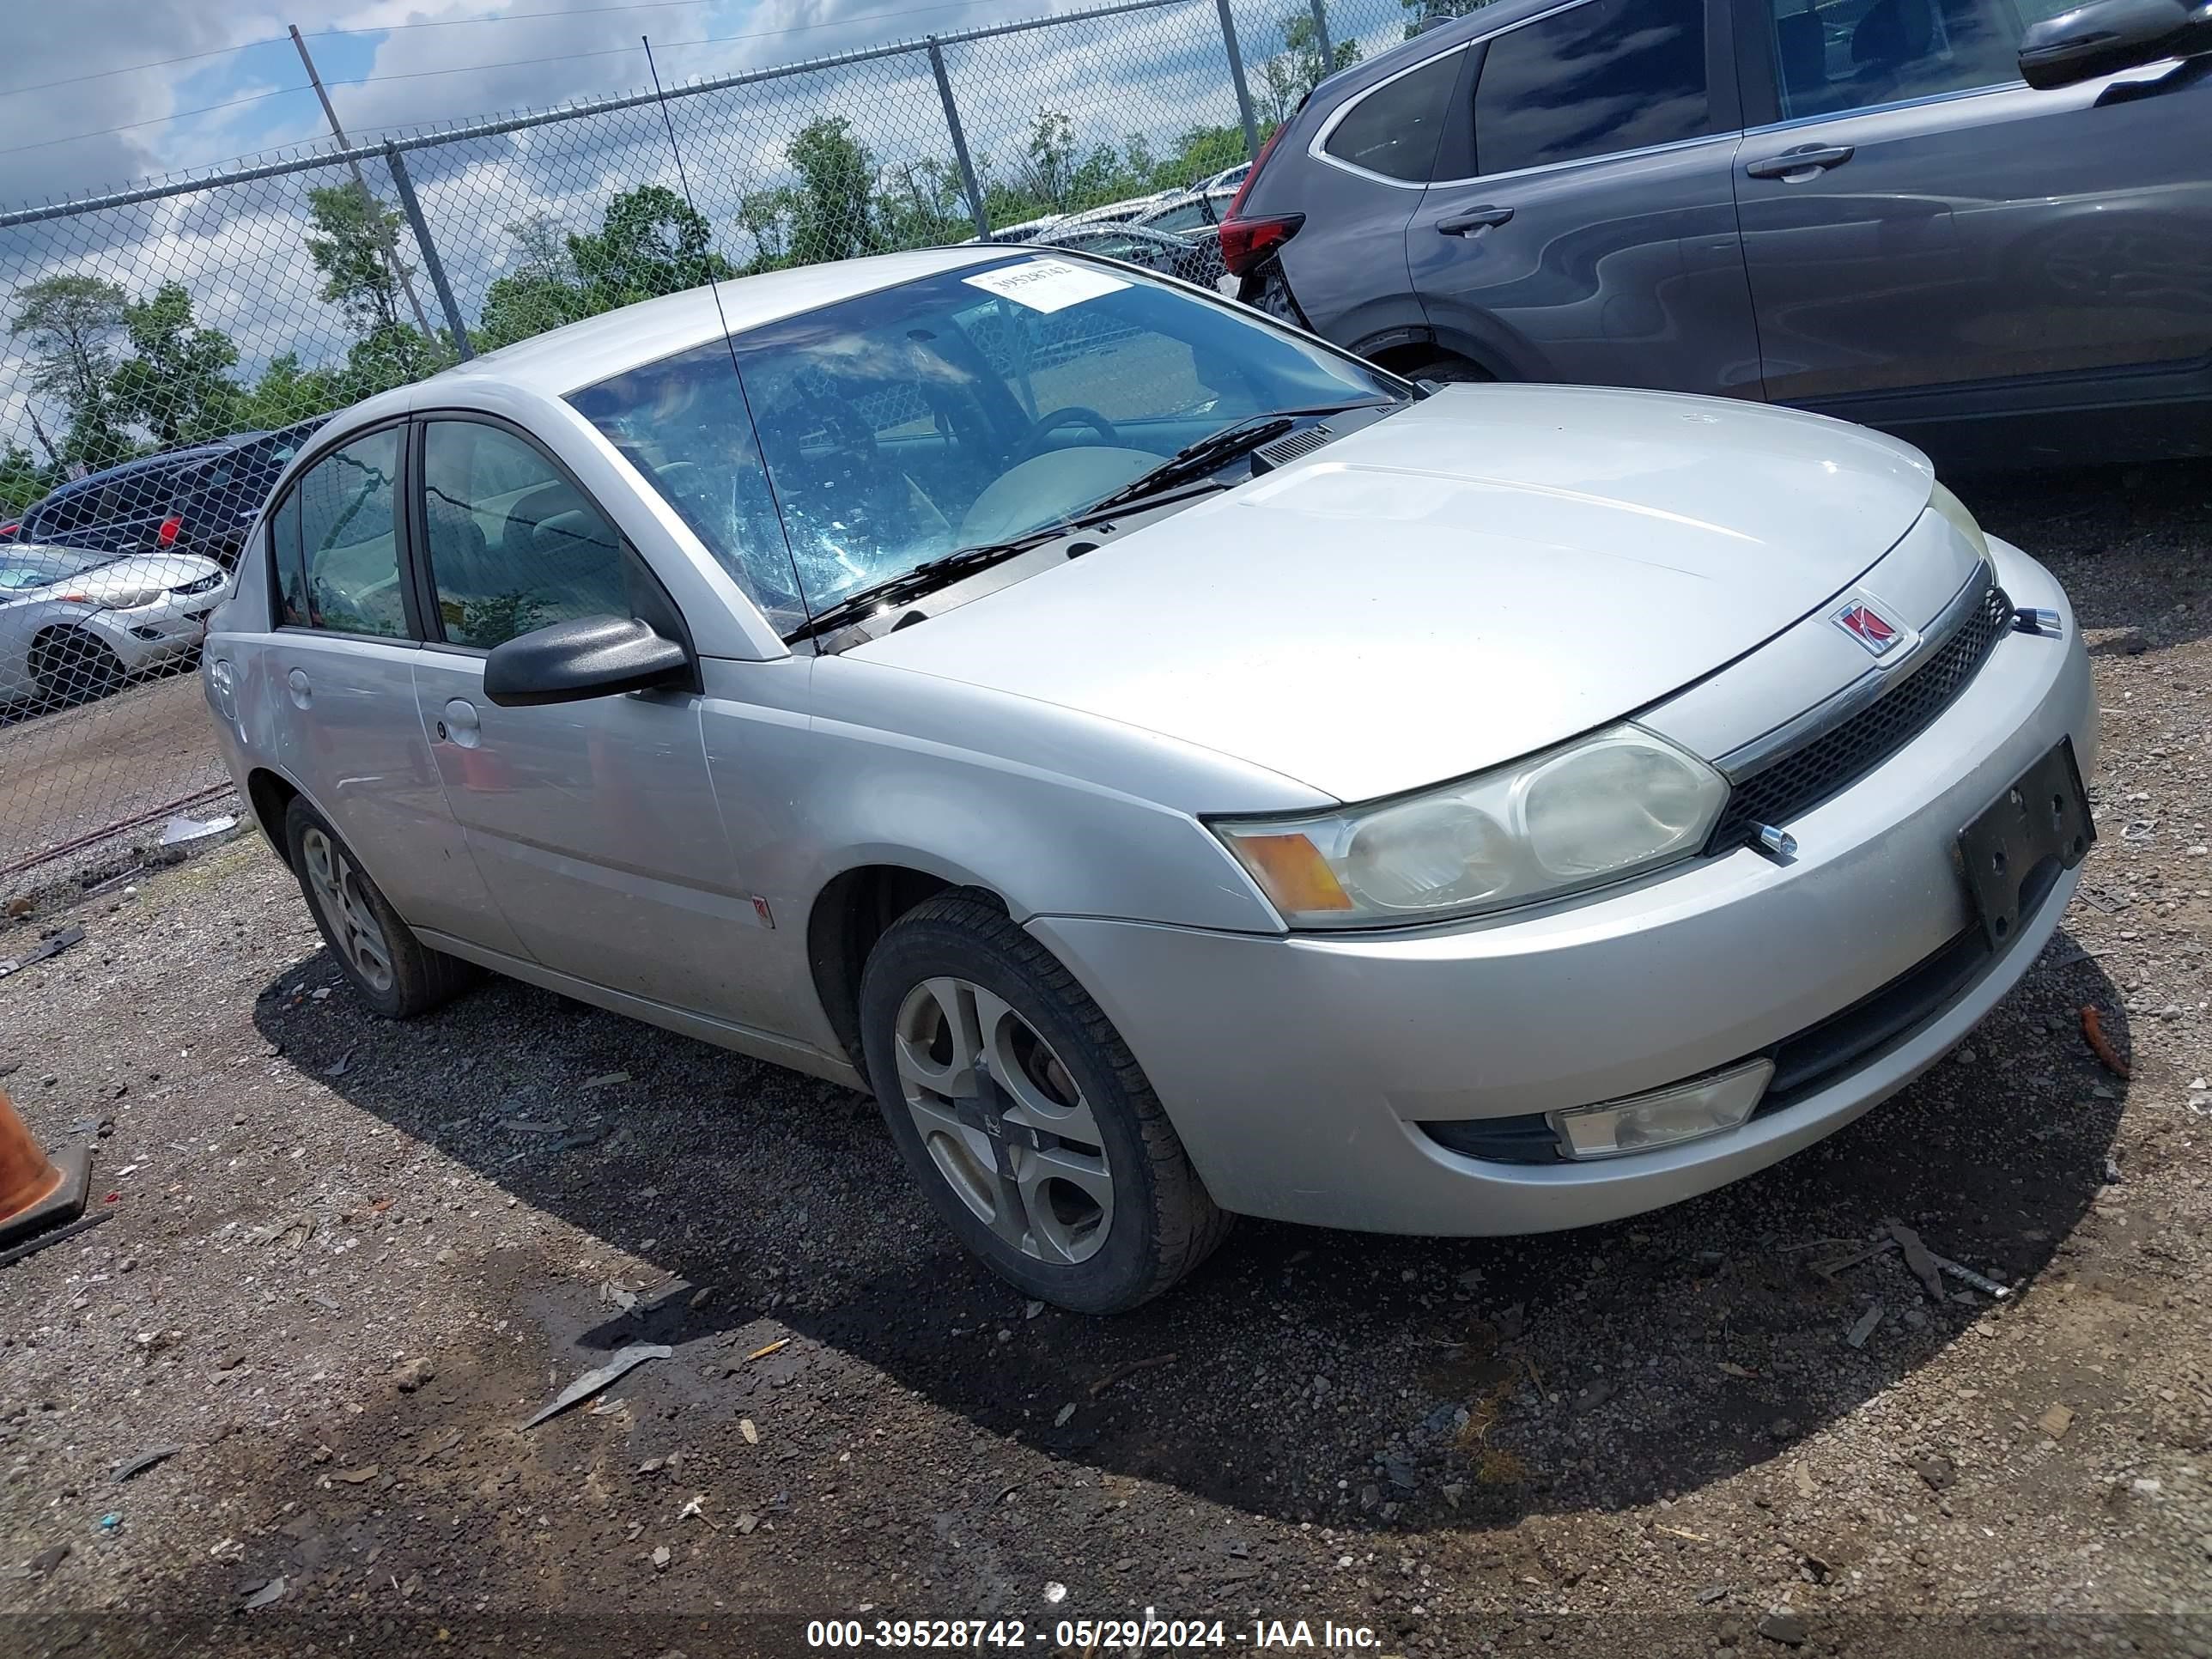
<point>1024,1115</point>
<point>71,667</point>
<point>389,969</point>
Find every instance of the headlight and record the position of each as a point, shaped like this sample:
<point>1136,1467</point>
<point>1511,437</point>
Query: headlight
<point>1955,512</point>
<point>1598,810</point>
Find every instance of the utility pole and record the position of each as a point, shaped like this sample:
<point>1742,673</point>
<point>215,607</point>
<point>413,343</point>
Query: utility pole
<point>393,264</point>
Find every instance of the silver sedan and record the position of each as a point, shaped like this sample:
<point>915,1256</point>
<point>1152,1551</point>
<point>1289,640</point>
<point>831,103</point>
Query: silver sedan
<point>76,624</point>
<point>1177,769</point>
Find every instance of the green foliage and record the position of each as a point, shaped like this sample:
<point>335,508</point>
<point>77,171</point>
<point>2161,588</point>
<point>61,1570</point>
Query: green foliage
<point>1287,78</point>
<point>835,214</point>
<point>177,384</point>
<point>356,245</point>
<point>287,392</point>
<point>22,480</point>
<point>68,320</point>
<point>393,355</point>
<point>649,242</point>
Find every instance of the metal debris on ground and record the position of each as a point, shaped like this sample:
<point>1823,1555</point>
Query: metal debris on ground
<point>605,1080</point>
<point>696,1509</point>
<point>2098,898</point>
<point>2092,1031</point>
<point>143,1461</point>
<point>345,1064</point>
<point>624,1362</point>
<point>182,831</point>
<point>1060,1417</point>
<point>1124,1371</point>
<point>1864,1326</point>
<point>270,1592</point>
<point>54,946</point>
<point>15,1253</point>
<point>1967,1275</point>
<point>1917,1258</point>
<point>1830,1269</point>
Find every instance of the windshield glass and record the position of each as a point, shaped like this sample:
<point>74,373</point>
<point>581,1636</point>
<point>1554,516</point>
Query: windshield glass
<point>23,567</point>
<point>959,409</point>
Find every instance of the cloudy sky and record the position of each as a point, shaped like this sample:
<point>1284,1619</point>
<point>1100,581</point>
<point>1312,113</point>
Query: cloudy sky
<point>222,81</point>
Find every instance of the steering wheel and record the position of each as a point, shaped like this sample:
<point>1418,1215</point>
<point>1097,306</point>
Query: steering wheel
<point>1071,414</point>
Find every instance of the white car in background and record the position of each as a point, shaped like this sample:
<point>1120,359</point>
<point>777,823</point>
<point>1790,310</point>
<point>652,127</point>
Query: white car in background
<point>77,623</point>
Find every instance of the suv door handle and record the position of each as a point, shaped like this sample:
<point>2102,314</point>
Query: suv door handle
<point>1467,221</point>
<point>1796,165</point>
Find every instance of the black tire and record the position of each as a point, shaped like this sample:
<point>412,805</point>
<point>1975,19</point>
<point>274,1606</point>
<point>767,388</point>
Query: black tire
<point>1161,1224</point>
<point>417,979</point>
<point>72,667</point>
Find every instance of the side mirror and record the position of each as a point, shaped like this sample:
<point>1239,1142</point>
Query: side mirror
<point>590,656</point>
<point>2108,35</point>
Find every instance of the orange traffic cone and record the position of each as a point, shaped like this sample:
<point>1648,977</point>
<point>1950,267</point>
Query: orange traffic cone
<point>37,1192</point>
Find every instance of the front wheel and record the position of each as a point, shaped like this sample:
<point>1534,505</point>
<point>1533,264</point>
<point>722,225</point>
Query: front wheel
<point>72,667</point>
<point>1024,1117</point>
<point>389,970</point>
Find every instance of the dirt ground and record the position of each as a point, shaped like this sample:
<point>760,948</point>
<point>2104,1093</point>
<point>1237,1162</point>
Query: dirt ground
<point>348,1260</point>
<point>64,775</point>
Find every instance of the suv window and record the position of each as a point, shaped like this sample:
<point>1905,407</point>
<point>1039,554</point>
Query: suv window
<point>514,544</point>
<point>337,552</point>
<point>1394,130</point>
<point>1853,54</point>
<point>1598,78</point>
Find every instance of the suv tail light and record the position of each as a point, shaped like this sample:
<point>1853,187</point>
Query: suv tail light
<point>167,535</point>
<point>10,531</point>
<point>1245,242</point>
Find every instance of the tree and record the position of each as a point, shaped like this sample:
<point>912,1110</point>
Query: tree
<point>1286,78</point>
<point>357,252</point>
<point>22,480</point>
<point>1047,169</point>
<point>922,204</point>
<point>650,241</point>
<point>397,353</point>
<point>287,392</point>
<point>68,320</point>
<point>833,217</point>
<point>765,215</point>
<point>177,384</point>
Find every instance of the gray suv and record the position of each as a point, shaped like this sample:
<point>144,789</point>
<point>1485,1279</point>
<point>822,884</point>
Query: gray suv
<point>1861,207</point>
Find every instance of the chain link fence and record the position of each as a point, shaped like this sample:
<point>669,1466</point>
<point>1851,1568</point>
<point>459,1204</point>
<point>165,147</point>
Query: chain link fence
<point>168,348</point>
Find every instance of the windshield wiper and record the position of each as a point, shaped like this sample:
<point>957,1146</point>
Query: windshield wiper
<point>1215,450</point>
<point>1195,460</point>
<point>927,577</point>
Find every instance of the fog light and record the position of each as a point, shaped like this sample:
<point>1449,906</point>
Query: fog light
<point>1685,1112</point>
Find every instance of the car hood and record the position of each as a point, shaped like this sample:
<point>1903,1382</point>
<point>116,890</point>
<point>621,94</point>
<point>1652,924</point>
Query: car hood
<point>1487,571</point>
<point>137,579</point>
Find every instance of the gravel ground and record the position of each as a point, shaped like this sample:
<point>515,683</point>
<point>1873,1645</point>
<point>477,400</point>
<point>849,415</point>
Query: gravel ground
<point>349,1258</point>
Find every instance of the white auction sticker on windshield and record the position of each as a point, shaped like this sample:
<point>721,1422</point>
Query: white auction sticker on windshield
<point>1045,284</point>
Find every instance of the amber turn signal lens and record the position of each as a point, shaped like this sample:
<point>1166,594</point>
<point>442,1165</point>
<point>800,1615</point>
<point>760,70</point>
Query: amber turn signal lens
<point>1297,877</point>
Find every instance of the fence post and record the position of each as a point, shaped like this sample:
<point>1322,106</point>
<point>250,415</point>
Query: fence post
<point>415,220</point>
<point>1321,37</point>
<point>959,142</point>
<point>1237,76</point>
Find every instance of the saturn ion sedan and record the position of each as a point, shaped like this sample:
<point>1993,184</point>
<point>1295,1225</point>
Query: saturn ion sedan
<point>1180,770</point>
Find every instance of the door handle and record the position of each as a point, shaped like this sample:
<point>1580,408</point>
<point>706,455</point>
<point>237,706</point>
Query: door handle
<point>1467,221</point>
<point>461,724</point>
<point>296,684</point>
<point>1796,165</point>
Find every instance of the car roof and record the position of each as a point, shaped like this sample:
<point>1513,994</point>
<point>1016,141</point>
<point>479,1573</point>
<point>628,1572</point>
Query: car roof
<point>557,362</point>
<point>168,460</point>
<point>1450,31</point>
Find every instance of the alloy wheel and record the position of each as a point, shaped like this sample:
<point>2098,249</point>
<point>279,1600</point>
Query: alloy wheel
<point>1003,1120</point>
<point>337,887</point>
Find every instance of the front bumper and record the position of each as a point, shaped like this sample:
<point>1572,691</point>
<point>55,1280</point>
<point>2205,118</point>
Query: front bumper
<point>147,636</point>
<point>1298,1069</point>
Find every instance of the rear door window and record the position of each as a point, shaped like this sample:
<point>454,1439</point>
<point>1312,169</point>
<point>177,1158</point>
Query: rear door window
<point>338,545</point>
<point>1599,78</point>
<point>1395,129</point>
<point>1854,54</point>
